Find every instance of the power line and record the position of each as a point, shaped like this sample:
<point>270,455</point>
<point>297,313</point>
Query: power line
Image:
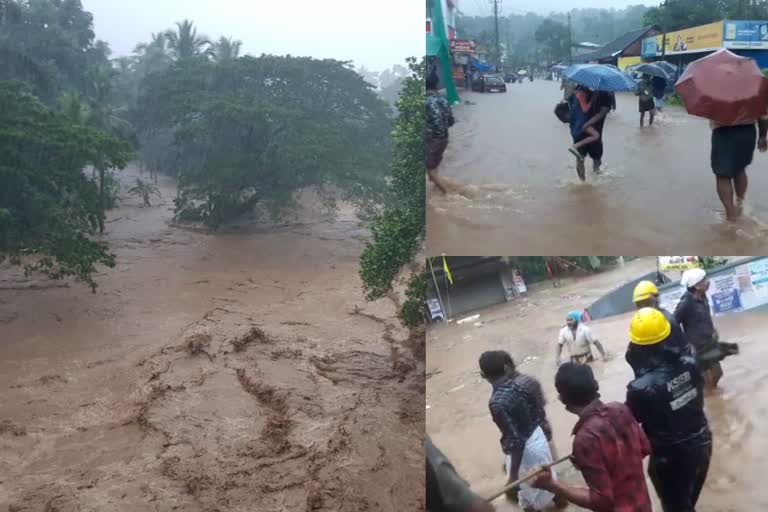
<point>496,23</point>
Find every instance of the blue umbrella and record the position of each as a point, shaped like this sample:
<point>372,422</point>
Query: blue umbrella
<point>600,77</point>
<point>653,69</point>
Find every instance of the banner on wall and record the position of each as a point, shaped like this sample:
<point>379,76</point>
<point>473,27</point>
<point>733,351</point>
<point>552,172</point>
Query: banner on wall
<point>750,35</point>
<point>690,40</point>
<point>679,262</point>
<point>724,294</point>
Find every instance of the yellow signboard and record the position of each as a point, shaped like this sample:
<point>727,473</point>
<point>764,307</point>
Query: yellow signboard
<point>689,40</point>
<point>625,62</point>
<point>679,262</point>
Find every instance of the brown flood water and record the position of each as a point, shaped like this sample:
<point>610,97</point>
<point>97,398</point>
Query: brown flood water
<point>229,371</point>
<point>514,180</point>
<point>457,398</point>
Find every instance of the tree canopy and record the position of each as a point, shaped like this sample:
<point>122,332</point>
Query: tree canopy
<point>398,232</point>
<point>679,14</point>
<point>48,207</point>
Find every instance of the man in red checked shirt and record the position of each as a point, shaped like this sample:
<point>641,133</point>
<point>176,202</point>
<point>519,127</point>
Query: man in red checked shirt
<point>608,448</point>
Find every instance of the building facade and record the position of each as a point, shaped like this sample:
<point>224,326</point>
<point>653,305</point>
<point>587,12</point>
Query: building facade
<point>744,37</point>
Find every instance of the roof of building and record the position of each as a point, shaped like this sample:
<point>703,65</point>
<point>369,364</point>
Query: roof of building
<point>587,44</point>
<point>617,46</point>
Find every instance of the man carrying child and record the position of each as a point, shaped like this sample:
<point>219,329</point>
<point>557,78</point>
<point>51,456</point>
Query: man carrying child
<point>588,112</point>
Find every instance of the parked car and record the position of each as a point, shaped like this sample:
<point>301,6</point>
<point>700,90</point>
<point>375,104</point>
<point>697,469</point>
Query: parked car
<point>489,83</point>
<point>510,78</point>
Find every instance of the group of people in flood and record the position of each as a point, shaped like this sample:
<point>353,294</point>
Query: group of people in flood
<point>674,358</point>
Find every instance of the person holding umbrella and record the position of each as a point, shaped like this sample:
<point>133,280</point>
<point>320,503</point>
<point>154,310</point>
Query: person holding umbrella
<point>645,100</point>
<point>732,93</point>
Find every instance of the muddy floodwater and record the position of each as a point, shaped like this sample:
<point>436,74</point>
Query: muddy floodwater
<point>236,371</point>
<point>515,189</point>
<point>457,398</point>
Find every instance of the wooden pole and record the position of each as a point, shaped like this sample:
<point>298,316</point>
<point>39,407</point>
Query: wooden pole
<point>520,481</point>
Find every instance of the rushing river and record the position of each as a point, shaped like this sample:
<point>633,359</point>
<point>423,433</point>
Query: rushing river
<point>457,398</point>
<point>516,189</point>
<point>241,370</point>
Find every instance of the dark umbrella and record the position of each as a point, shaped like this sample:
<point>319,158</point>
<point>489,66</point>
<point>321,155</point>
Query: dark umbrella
<point>725,88</point>
<point>600,77</point>
<point>670,68</point>
<point>653,69</point>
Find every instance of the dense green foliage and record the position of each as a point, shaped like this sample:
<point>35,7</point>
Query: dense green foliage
<point>48,205</point>
<point>398,232</point>
<point>252,132</point>
<point>57,120</point>
<point>677,14</point>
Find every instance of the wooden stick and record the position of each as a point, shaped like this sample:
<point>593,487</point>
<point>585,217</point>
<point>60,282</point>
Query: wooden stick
<point>519,481</point>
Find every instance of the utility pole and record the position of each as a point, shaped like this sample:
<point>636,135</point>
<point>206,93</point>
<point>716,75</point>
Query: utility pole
<point>496,21</point>
<point>570,41</point>
<point>664,31</point>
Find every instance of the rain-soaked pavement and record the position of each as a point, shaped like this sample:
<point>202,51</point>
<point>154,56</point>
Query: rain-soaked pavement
<point>515,181</point>
<point>459,422</point>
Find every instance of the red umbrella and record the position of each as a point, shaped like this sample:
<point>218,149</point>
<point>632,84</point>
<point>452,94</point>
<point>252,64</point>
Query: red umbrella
<point>725,88</point>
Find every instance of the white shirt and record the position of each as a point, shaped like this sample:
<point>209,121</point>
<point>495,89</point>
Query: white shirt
<point>581,344</point>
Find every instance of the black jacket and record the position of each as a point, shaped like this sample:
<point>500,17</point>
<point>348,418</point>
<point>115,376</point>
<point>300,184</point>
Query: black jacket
<point>667,398</point>
<point>677,337</point>
<point>696,319</point>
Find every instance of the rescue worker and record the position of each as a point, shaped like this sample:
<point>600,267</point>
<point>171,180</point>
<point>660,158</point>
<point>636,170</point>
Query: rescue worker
<point>693,313</point>
<point>666,397</point>
<point>646,295</point>
<point>579,340</point>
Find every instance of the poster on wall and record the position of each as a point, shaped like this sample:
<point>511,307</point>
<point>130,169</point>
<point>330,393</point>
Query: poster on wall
<point>758,271</point>
<point>678,262</point>
<point>724,294</point>
<point>670,298</point>
<point>743,34</point>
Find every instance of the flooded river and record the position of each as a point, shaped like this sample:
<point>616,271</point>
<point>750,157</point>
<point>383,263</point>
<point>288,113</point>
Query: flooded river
<point>457,398</point>
<point>236,371</point>
<point>516,180</point>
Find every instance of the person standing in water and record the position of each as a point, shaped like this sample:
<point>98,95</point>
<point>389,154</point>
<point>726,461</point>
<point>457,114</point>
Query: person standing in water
<point>666,397</point>
<point>733,148</point>
<point>608,448</point>
<point>439,118</point>
<point>579,340</point>
<point>518,415</point>
<point>645,100</point>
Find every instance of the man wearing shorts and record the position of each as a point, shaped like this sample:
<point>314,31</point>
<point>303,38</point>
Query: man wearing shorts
<point>518,415</point>
<point>733,148</point>
<point>439,118</point>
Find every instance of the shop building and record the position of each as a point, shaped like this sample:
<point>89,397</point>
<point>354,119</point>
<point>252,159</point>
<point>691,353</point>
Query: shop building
<point>624,51</point>
<point>743,37</point>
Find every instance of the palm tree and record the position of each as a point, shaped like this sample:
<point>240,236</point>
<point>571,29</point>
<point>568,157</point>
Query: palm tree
<point>184,43</point>
<point>227,49</point>
<point>144,190</point>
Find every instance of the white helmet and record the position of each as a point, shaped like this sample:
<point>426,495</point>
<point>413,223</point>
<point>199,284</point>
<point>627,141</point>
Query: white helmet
<point>692,277</point>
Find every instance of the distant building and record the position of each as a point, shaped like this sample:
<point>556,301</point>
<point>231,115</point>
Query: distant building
<point>449,9</point>
<point>744,37</point>
<point>623,51</point>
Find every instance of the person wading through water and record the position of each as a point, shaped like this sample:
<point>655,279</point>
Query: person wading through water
<point>579,340</point>
<point>646,295</point>
<point>645,100</point>
<point>733,148</point>
<point>608,448</point>
<point>446,490</point>
<point>694,315</point>
<point>439,118</point>
<point>667,398</point>
<point>518,415</point>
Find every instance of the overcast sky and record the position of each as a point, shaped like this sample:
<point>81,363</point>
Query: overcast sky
<point>373,33</point>
<point>474,7</point>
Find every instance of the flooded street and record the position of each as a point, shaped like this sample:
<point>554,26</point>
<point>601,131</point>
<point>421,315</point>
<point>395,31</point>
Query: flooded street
<point>240,371</point>
<point>514,179</point>
<point>457,398</point>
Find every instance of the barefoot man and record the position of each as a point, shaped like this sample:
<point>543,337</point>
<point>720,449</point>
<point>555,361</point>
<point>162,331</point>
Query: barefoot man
<point>439,118</point>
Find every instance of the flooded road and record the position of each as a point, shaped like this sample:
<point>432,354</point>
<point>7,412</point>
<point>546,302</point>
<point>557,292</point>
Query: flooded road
<point>457,398</point>
<point>515,180</point>
<point>235,371</point>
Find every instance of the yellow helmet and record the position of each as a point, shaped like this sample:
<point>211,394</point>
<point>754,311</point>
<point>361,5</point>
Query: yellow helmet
<point>649,326</point>
<point>644,290</point>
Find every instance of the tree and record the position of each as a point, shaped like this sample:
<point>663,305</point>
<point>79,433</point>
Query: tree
<point>554,36</point>
<point>145,190</point>
<point>679,14</point>
<point>184,43</point>
<point>252,132</point>
<point>226,49</point>
<point>50,208</point>
<point>397,233</point>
